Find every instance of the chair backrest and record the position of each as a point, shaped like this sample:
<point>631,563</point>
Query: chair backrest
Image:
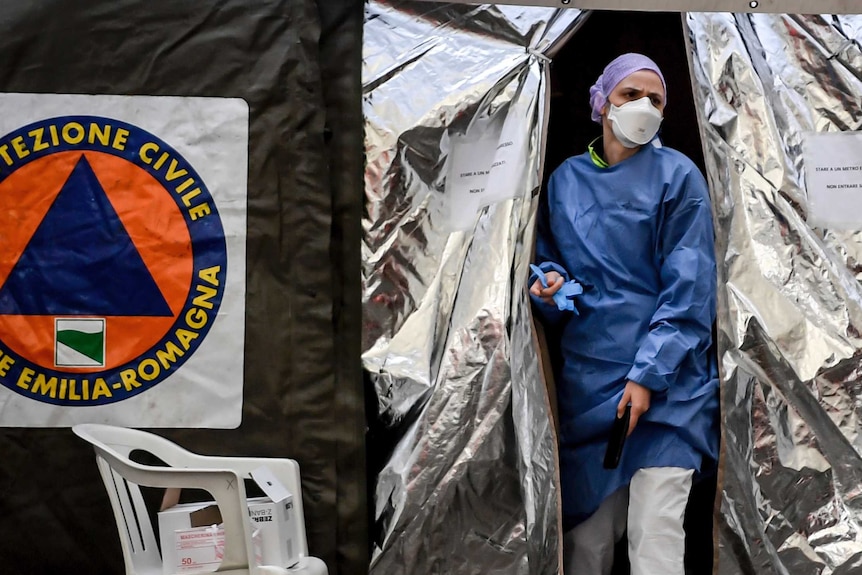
<point>137,539</point>
<point>222,477</point>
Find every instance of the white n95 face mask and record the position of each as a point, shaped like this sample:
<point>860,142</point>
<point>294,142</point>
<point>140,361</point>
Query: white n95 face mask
<point>635,123</point>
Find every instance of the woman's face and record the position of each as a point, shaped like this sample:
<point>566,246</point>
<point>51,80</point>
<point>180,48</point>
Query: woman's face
<point>637,85</point>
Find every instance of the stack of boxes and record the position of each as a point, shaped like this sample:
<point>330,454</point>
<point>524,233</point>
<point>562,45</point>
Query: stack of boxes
<point>192,539</point>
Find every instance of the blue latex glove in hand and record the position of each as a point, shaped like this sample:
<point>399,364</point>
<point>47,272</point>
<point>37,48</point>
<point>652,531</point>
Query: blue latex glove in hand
<point>567,293</point>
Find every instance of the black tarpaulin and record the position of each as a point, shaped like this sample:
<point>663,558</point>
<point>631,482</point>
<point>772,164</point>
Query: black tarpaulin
<point>296,63</point>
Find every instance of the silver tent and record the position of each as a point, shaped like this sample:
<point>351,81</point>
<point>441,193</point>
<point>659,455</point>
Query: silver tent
<point>456,106</point>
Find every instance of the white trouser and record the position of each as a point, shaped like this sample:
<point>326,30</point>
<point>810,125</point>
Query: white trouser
<point>653,506</point>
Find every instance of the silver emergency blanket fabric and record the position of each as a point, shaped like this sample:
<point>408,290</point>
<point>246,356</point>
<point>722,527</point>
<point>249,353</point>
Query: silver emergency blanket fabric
<point>455,107</point>
<point>790,301</point>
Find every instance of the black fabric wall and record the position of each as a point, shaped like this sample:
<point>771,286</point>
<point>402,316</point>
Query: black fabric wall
<point>603,37</point>
<point>297,64</point>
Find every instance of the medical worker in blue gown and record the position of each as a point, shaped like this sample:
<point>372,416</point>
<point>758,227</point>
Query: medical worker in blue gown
<point>630,223</point>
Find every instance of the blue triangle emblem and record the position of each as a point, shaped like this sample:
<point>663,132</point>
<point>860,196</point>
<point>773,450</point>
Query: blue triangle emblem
<point>81,260</point>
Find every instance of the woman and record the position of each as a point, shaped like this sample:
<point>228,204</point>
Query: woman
<point>630,221</point>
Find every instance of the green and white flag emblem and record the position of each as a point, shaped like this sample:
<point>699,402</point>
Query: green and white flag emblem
<point>79,342</point>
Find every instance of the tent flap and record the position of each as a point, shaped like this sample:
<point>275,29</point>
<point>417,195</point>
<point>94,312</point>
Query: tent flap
<point>790,306</point>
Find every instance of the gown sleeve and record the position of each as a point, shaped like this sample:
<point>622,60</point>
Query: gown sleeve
<point>547,257</point>
<point>682,322</point>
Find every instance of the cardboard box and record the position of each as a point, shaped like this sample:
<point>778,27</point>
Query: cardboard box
<point>276,523</point>
<point>192,539</point>
<point>189,543</point>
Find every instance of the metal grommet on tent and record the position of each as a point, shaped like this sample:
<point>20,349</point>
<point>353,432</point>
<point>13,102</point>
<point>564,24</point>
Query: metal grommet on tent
<point>753,4</point>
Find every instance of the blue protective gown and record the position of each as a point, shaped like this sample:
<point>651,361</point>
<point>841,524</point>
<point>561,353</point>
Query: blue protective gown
<point>638,236</point>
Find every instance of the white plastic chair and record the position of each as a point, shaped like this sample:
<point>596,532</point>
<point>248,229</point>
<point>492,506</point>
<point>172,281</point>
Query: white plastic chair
<point>222,477</point>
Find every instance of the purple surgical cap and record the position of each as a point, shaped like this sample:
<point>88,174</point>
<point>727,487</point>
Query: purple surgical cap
<point>614,73</point>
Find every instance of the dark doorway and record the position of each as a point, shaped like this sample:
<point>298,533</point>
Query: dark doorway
<point>602,37</point>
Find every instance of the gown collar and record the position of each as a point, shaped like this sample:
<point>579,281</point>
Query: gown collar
<point>596,156</point>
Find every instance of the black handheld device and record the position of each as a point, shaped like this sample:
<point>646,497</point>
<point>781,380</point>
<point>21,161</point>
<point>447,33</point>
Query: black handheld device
<point>619,431</point>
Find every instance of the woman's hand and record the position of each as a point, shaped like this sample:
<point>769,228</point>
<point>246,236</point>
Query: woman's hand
<point>639,397</point>
<point>555,282</point>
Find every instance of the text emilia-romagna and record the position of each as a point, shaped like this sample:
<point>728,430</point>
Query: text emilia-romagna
<point>147,369</point>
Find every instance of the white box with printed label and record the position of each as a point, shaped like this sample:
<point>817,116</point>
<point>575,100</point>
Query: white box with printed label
<point>192,538</point>
<point>275,520</point>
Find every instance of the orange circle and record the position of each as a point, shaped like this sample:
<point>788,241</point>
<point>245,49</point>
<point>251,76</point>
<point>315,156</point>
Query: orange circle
<point>152,220</point>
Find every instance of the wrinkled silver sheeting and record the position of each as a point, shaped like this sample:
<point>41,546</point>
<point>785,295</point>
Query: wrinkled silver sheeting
<point>472,485</point>
<point>790,314</point>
